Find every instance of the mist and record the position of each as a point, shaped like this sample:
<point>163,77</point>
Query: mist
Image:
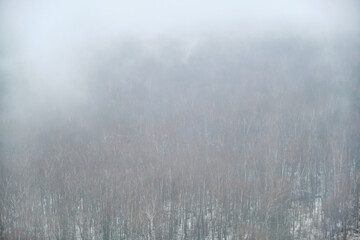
<point>57,39</point>
<point>179,119</point>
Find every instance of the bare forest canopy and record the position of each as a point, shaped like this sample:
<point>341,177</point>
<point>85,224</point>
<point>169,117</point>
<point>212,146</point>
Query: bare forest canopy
<point>223,135</point>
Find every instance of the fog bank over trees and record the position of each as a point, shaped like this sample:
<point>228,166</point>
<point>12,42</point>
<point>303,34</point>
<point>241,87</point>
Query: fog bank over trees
<point>178,120</point>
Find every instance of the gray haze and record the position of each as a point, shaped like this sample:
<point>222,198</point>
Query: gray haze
<point>145,120</point>
<point>48,46</point>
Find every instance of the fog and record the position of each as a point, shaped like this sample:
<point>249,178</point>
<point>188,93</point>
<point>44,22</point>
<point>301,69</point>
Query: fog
<point>48,46</point>
<point>179,119</point>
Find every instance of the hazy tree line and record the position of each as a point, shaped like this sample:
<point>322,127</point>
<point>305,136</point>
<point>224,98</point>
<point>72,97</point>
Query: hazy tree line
<point>231,139</point>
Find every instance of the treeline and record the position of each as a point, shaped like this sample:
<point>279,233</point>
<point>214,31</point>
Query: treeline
<point>229,139</point>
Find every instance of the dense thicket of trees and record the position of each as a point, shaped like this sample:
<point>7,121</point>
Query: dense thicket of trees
<point>231,140</point>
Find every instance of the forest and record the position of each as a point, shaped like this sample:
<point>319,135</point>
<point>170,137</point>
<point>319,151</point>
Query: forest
<point>217,137</point>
